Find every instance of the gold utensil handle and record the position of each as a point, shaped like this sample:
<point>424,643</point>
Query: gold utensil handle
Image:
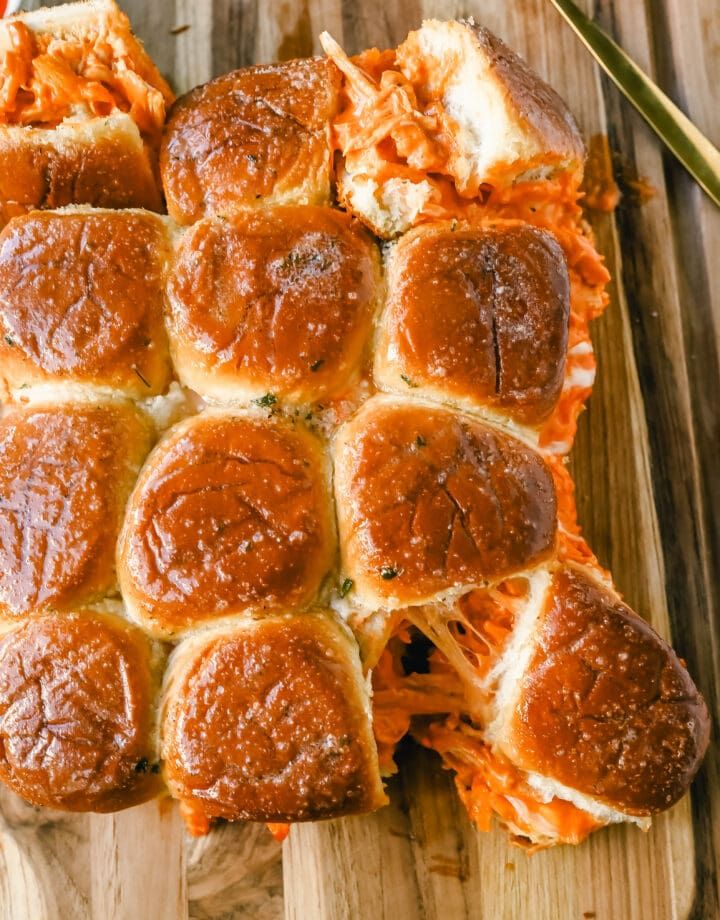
<point>690,146</point>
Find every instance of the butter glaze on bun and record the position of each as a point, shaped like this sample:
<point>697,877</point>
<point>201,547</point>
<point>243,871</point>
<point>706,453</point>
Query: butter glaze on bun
<point>81,300</point>
<point>65,474</point>
<point>268,720</point>
<point>276,300</point>
<point>77,706</point>
<point>250,138</point>
<point>605,706</point>
<point>479,316</point>
<point>231,513</point>
<point>429,501</point>
<point>100,162</point>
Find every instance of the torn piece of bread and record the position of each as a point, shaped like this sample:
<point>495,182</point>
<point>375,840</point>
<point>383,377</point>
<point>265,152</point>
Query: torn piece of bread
<point>451,115</point>
<point>81,111</point>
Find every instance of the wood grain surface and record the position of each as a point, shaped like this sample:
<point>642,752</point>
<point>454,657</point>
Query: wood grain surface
<point>646,463</point>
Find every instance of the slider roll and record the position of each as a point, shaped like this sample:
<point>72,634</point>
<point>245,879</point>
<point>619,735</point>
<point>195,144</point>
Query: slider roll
<point>430,501</point>
<point>81,111</point>
<point>255,137</point>
<point>65,474</point>
<point>81,302</point>
<point>231,513</point>
<point>605,707</point>
<point>78,695</point>
<point>477,316</point>
<point>268,720</point>
<point>276,300</point>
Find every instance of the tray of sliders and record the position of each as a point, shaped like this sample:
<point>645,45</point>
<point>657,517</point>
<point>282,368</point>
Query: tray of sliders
<point>291,367</point>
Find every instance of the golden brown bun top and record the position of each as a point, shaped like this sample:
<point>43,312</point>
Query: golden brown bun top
<point>430,500</point>
<point>606,707</point>
<point>101,163</point>
<point>230,513</point>
<point>276,299</point>
<point>76,699</point>
<point>253,134</point>
<point>81,298</point>
<point>288,739</point>
<point>63,472</point>
<point>481,314</point>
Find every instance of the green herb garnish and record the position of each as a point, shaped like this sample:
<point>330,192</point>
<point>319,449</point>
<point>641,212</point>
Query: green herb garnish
<point>266,401</point>
<point>346,587</point>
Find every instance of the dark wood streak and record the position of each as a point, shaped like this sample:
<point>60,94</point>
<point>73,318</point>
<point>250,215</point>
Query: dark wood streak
<point>680,383</point>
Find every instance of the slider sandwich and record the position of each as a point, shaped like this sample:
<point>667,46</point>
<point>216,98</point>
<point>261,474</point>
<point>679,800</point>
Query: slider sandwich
<point>82,108</point>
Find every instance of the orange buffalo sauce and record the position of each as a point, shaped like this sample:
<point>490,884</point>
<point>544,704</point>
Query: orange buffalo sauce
<point>489,785</point>
<point>44,79</point>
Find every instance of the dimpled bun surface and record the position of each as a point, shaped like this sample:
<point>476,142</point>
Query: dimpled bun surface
<point>231,513</point>
<point>268,720</point>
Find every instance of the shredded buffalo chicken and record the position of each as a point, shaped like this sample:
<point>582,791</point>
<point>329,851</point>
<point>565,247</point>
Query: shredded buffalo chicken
<point>45,79</point>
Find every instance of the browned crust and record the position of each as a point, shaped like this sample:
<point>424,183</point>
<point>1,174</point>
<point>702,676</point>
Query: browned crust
<point>280,300</point>
<point>429,500</point>
<point>480,315</point>
<point>81,299</point>
<point>230,513</point>
<point>606,707</point>
<point>65,473</point>
<point>77,697</point>
<point>252,137</point>
<point>290,741</point>
<point>106,171</point>
<point>540,109</point>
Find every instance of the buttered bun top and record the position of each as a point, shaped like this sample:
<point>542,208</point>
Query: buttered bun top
<point>81,300</point>
<point>479,316</point>
<point>251,138</point>
<point>279,300</point>
<point>78,695</point>
<point>65,474</point>
<point>231,513</point>
<point>291,739</point>
<point>605,706</point>
<point>430,501</point>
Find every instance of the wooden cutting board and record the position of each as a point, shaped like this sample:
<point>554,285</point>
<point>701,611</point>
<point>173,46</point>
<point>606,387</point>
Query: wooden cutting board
<point>647,468</point>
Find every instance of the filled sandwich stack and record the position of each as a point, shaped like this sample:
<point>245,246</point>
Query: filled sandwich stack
<point>273,495</point>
